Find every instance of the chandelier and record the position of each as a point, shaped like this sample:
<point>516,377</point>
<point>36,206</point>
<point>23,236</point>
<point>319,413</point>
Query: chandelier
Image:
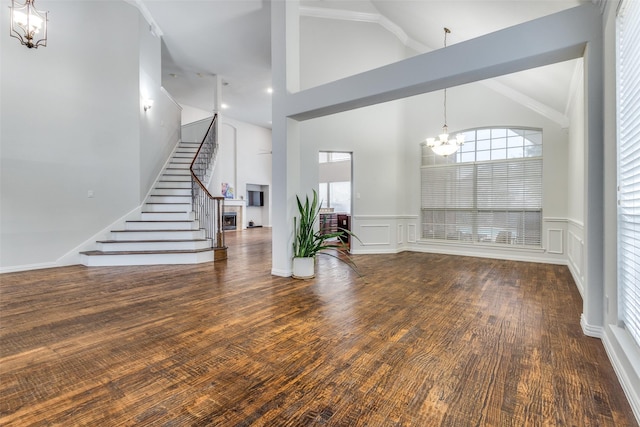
<point>26,22</point>
<point>444,146</point>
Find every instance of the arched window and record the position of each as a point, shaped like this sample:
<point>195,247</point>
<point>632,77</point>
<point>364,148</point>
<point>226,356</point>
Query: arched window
<point>489,192</point>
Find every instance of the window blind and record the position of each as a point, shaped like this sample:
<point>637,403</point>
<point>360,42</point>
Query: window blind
<point>629,168</point>
<point>488,202</point>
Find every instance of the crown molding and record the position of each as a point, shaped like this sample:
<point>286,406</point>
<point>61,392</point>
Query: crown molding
<point>154,28</point>
<point>350,15</point>
<point>537,106</point>
<point>576,81</point>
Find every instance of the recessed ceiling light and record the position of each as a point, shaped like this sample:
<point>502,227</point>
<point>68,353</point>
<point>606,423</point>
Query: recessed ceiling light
<point>224,106</point>
<point>269,90</point>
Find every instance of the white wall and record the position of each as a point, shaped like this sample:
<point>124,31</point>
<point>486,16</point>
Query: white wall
<point>160,125</point>
<point>371,135</point>
<point>193,114</point>
<point>195,131</point>
<point>332,49</point>
<point>70,124</point>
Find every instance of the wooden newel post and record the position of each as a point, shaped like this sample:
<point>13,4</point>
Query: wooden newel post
<point>220,227</point>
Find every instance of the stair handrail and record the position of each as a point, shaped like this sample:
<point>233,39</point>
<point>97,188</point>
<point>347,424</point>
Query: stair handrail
<point>208,209</point>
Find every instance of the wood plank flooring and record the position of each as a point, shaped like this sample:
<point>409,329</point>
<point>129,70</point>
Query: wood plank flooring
<point>419,340</point>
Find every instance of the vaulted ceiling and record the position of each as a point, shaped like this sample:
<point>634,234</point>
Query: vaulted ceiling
<point>231,39</point>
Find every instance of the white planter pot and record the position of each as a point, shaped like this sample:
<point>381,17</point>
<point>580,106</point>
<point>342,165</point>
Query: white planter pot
<point>304,268</point>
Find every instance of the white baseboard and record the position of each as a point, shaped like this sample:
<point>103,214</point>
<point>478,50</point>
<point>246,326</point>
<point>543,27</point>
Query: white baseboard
<point>281,273</point>
<point>590,330</point>
<point>628,378</point>
<point>576,278</point>
<point>27,267</point>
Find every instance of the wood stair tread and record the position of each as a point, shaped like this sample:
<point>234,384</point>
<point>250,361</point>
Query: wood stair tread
<point>153,241</point>
<point>156,252</point>
<point>156,231</point>
<point>162,220</point>
<point>165,212</point>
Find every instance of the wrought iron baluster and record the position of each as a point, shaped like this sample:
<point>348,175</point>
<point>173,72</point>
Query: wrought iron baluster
<point>208,209</point>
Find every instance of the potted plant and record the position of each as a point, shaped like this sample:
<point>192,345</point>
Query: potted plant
<point>309,242</point>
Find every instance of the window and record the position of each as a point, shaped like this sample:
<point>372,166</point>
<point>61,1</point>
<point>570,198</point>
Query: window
<point>336,195</point>
<point>488,192</point>
<point>629,168</point>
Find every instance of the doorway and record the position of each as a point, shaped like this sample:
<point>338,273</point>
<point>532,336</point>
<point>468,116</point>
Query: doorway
<point>335,181</point>
<point>335,190</point>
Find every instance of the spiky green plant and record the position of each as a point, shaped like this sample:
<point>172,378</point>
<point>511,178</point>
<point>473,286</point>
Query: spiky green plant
<point>309,242</point>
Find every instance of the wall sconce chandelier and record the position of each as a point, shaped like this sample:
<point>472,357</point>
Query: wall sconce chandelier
<point>27,22</point>
<point>147,104</point>
<point>444,146</point>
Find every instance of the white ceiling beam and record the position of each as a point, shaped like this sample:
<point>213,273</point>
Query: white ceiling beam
<point>547,40</point>
<point>375,18</point>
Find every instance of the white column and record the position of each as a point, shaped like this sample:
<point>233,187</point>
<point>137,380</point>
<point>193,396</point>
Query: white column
<point>285,61</point>
<point>593,303</point>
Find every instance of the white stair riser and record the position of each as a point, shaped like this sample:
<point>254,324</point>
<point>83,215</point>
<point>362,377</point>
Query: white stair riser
<point>164,207</point>
<point>161,225</point>
<point>157,235</point>
<point>181,178</point>
<point>167,216</point>
<point>174,184</point>
<point>153,246</point>
<point>177,171</point>
<point>179,165</point>
<point>172,192</point>
<point>169,199</point>
<point>143,259</point>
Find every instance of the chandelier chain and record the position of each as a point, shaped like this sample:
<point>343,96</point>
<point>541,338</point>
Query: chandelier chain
<point>446,31</point>
<point>443,145</point>
<point>445,107</point>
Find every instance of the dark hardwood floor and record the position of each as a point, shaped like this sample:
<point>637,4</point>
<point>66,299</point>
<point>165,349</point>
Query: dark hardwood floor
<point>419,340</point>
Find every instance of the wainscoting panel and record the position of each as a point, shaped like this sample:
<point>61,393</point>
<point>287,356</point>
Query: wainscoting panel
<point>555,241</point>
<point>576,251</point>
<point>411,233</point>
<point>375,234</point>
<point>400,234</point>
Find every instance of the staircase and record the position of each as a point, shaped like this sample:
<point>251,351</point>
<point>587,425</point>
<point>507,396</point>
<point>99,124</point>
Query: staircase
<point>166,232</point>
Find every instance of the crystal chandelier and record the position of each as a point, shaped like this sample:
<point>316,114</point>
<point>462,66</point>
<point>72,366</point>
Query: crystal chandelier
<point>444,146</point>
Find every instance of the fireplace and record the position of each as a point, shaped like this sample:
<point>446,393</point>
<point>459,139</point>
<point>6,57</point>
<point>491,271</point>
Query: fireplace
<point>229,220</point>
